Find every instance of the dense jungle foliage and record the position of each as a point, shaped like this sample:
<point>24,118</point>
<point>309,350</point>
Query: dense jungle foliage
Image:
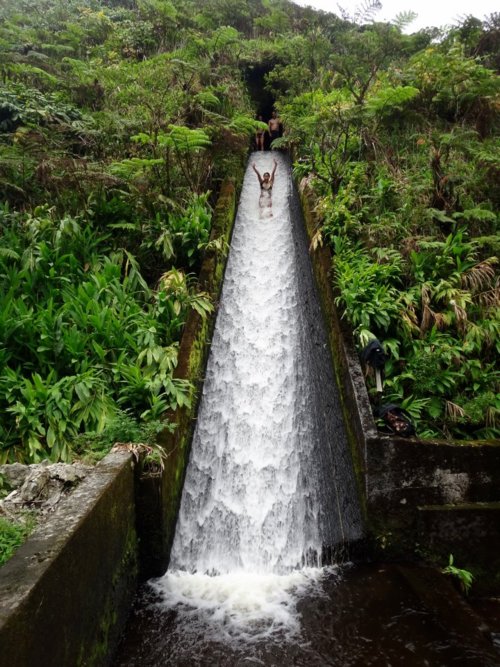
<point>399,137</point>
<point>118,121</point>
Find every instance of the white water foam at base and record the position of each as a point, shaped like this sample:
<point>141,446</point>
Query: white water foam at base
<point>261,496</point>
<point>240,606</point>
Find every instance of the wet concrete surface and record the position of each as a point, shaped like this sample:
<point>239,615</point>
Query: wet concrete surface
<point>369,616</point>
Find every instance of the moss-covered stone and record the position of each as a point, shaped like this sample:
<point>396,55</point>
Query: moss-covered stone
<point>159,498</point>
<point>338,339</point>
<point>65,595</point>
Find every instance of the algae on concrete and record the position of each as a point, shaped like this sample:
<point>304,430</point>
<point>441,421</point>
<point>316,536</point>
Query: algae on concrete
<point>159,498</point>
<point>66,594</point>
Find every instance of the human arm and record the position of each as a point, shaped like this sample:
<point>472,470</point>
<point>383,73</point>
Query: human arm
<point>273,171</point>
<point>258,175</point>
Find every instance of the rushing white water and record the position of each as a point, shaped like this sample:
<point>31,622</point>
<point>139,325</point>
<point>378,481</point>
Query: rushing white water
<point>263,494</point>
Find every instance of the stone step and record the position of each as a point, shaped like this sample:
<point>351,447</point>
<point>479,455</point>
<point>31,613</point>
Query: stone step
<point>469,531</point>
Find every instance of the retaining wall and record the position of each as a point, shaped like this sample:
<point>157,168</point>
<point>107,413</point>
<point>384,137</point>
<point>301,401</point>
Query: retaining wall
<point>66,593</point>
<point>421,498</point>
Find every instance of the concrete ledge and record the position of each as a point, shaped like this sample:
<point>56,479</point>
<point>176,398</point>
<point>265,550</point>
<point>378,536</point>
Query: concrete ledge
<point>430,472</point>
<point>66,593</point>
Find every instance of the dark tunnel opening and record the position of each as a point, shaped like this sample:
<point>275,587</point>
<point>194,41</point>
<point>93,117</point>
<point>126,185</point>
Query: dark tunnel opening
<point>262,98</point>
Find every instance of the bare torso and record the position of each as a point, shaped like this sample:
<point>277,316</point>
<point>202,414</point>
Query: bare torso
<point>274,124</point>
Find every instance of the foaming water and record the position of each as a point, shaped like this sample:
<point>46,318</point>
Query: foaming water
<point>269,485</point>
<point>371,616</point>
<point>241,605</point>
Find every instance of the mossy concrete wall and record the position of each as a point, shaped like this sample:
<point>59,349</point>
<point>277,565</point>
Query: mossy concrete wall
<point>159,497</point>
<point>430,499</point>
<point>350,380</point>
<point>66,593</point>
<point>422,498</point>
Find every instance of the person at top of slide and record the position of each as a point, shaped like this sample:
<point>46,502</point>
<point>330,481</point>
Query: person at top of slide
<point>274,126</point>
<point>267,179</point>
<point>259,136</point>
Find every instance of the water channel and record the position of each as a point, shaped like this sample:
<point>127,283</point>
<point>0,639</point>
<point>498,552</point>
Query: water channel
<point>258,572</point>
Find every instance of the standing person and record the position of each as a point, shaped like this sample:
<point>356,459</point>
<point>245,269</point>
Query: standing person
<point>274,126</point>
<point>259,136</point>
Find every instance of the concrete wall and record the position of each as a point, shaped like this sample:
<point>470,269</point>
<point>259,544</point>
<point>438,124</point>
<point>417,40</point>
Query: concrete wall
<point>66,593</point>
<point>422,498</point>
<point>355,402</point>
<point>159,496</point>
<point>431,472</point>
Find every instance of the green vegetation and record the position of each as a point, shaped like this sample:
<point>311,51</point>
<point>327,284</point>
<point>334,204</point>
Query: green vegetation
<point>122,429</point>
<point>118,122</point>
<point>12,535</point>
<point>14,530</point>
<point>119,119</point>
<point>464,577</point>
<point>398,136</point>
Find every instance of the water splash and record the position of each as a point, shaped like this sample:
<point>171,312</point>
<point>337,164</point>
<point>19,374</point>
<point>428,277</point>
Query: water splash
<point>241,605</point>
<point>269,484</point>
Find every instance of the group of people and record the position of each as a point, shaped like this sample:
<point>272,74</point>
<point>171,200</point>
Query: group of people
<point>273,131</point>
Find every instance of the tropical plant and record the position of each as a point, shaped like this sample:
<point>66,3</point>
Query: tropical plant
<point>12,535</point>
<point>464,577</point>
<point>119,120</point>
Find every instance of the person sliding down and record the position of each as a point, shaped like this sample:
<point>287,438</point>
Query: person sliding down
<point>267,180</point>
<point>266,185</point>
